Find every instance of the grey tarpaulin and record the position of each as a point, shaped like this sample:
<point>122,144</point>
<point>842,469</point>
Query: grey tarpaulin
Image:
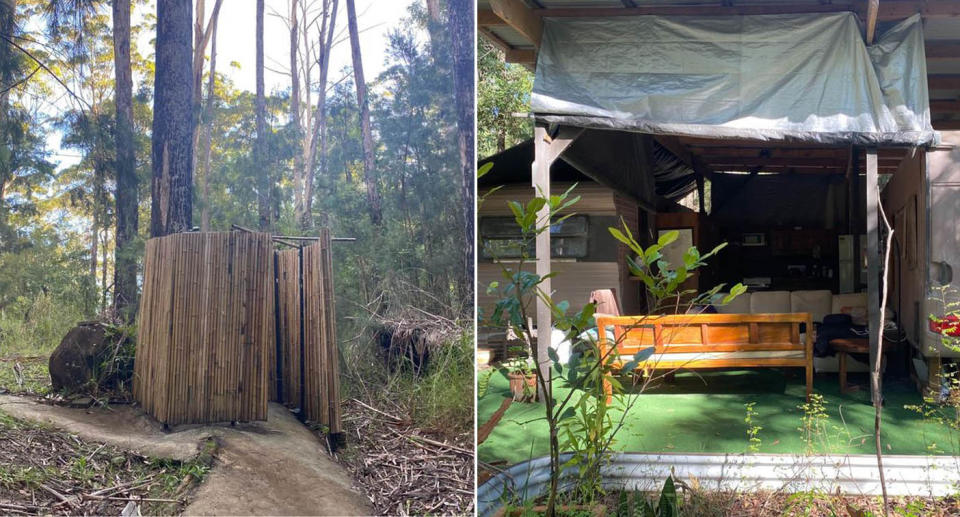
<point>806,77</point>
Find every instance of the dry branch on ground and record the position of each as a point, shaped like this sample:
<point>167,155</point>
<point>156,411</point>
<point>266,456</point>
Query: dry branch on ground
<point>401,470</point>
<point>44,472</point>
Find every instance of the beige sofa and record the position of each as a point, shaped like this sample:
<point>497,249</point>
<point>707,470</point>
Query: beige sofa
<point>818,303</point>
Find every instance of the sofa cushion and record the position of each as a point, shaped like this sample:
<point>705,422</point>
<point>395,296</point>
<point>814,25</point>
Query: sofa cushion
<point>817,303</point>
<point>770,302</point>
<point>739,305</point>
<point>850,300</point>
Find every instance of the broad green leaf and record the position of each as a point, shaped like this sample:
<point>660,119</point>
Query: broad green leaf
<point>668,238</point>
<point>484,169</point>
<point>552,354</point>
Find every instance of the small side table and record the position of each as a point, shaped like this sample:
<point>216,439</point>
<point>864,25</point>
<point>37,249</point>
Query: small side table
<point>844,346</point>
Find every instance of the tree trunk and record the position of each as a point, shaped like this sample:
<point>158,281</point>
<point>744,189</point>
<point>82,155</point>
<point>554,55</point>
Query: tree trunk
<point>259,145</point>
<point>461,16</point>
<point>103,272</point>
<point>369,174</point>
<point>298,162</point>
<point>94,251</point>
<point>434,24</point>
<point>172,143</point>
<point>207,120</point>
<point>201,37</point>
<point>198,47</point>
<point>319,137</point>
<point>8,15</point>
<point>128,188</point>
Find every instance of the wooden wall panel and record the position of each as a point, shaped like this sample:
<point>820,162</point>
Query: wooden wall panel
<point>215,310</point>
<point>595,199</point>
<point>573,283</point>
<point>205,327</point>
<point>629,289</point>
<point>320,396</point>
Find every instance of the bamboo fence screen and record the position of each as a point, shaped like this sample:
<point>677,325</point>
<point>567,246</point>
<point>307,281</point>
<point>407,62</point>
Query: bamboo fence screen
<point>318,364</point>
<point>228,323</point>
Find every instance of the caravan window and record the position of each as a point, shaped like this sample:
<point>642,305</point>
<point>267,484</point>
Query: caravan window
<point>500,238</point>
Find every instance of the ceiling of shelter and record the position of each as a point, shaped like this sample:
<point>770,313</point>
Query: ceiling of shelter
<point>515,27</point>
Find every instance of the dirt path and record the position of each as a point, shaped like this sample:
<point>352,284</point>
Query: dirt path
<point>276,467</point>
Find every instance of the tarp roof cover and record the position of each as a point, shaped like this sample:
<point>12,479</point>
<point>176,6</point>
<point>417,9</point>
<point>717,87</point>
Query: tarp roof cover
<point>806,77</point>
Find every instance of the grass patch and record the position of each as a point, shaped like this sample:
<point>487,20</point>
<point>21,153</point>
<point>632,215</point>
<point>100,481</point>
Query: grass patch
<point>442,398</point>
<point>44,471</point>
<point>437,398</point>
<point>35,327</point>
<point>33,377</point>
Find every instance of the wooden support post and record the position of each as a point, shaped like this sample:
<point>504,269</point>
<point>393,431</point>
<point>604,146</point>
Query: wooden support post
<point>854,213</point>
<point>541,185</point>
<point>873,256</point>
<point>873,8</point>
<point>701,194</point>
<point>546,151</point>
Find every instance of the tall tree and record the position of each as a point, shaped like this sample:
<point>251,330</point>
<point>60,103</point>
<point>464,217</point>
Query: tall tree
<point>295,119</point>
<point>460,20</point>
<point>309,52</point>
<point>172,145</point>
<point>202,35</point>
<point>319,137</point>
<point>8,68</point>
<point>369,163</point>
<point>260,144</point>
<point>206,121</point>
<point>125,258</point>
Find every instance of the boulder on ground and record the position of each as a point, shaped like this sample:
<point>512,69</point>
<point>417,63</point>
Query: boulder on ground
<point>76,361</point>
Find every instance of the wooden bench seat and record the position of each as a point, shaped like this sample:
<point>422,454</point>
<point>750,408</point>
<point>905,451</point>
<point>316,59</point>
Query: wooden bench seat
<point>703,341</point>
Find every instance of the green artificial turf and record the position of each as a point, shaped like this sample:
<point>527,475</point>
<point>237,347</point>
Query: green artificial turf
<point>704,412</point>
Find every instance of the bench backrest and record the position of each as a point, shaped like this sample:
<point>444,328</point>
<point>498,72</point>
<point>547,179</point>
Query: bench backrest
<point>692,333</point>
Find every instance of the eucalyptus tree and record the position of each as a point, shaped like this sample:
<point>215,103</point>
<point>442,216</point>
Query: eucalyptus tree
<point>128,186</point>
<point>204,35</point>
<point>265,219</point>
<point>173,121</point>
<point>312,26</point>
<point>460,22</point>
<point>369,160</point>
<point>81,27</point>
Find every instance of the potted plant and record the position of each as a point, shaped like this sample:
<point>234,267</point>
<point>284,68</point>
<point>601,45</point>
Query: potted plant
<point>521,372</point>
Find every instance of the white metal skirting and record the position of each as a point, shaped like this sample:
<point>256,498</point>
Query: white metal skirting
<point>854,474</point>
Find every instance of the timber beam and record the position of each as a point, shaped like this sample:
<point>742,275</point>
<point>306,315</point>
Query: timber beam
<point>888,10</point>
<point>520,18</point>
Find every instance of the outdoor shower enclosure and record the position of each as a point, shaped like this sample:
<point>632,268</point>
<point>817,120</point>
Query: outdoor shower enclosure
<point>228,323</point>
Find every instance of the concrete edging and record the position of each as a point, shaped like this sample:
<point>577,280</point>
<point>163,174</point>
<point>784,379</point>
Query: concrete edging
<point>932,476</point>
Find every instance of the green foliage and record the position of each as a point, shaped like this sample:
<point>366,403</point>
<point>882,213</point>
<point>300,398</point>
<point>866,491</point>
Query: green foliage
<point>662,279</point>
<point>34,326</point>
<point>817,433</point>
<point>483,381</point>
<point>519,365</point>
<point>433,397</point>
<point>25,376</point>
<point>581,422</point>
<point>943,412</point>
<point>812,503</point>
<point>502,90</point>
<point>667,505</point>
<point>753,430</point>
